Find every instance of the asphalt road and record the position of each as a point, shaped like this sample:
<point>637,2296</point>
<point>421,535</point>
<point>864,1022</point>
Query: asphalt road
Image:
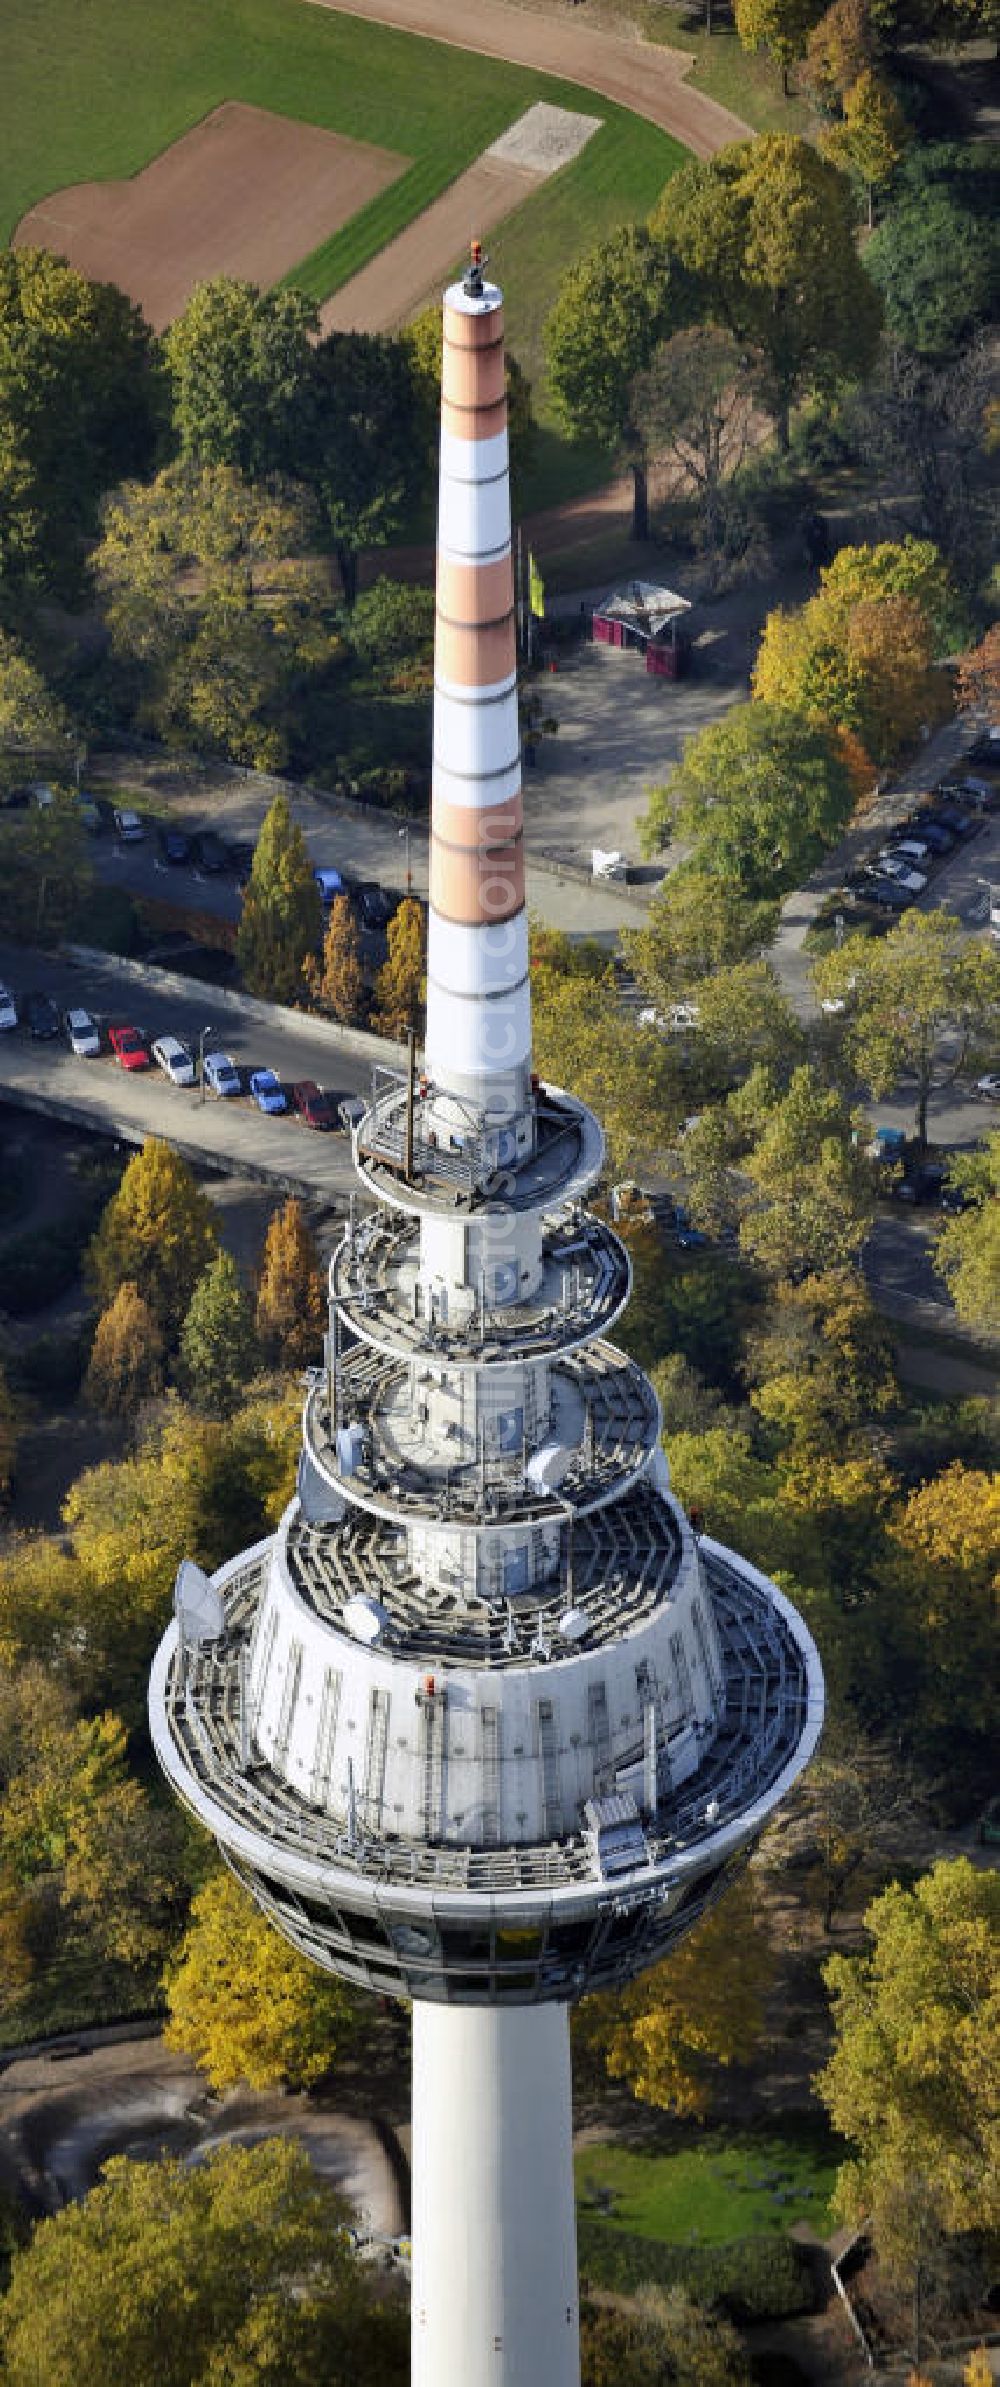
<point>229,1135</point>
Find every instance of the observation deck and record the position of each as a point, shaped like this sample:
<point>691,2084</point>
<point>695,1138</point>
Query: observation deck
<point>586,1278</point>
<point>604,1414</point>
<point>450,1178</point>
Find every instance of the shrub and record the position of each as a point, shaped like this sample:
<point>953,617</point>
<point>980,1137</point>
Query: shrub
<point>753,2279</point>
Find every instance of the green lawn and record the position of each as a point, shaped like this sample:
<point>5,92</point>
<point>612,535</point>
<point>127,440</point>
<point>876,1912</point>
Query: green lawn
<point>95,88</point>
<point>715,2188</point>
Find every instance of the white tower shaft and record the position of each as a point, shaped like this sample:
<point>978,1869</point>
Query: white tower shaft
<point>495,2297</point>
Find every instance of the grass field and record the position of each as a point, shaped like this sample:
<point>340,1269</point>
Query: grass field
<point>98,90</point>
<point>716,2188</point>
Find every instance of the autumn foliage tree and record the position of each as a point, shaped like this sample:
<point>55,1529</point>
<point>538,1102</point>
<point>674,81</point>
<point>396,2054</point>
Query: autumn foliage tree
<point>399,987</point>
<point>128,1357</point>
<point>291,1313</point>
<point>967,1246</point>
<point>664,2031</point>
<point>282,917</point>
<point>337,982</point>
<point>157,1233</point>
<point>246,2005</point>
<point>871,137</point>
<point>860,656</point>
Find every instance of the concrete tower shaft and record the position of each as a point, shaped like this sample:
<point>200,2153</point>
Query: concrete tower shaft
<point>478,1040</point>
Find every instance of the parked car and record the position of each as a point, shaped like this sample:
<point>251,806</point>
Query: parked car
<point>988,1087</point>
<point>924,1182</point>
<point>174,1059</point>
<point>268,1091</point>
<point>934,834</point>
<point>330,883</point>
<point>83,1034</point>
<point>174,845</point>
<point>689,1237</point>
<point>208,853</point>
<point>911,847</point>
<point>947,812</point>
<point>315,1107</point>
<point>129,1048</point>
<point>8,1008</point>
<point>980,795</point>
<point>222,1075</point>
<point>41,1015</point>
<point>888,893</point>
<point>894,865</point>
<point>89,814</point>
<point>128,824</point>
<point>375,905</point>
<point>673,1021</point>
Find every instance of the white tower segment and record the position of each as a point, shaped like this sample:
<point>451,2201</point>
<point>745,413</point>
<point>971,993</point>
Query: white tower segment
<point>483,1724</point>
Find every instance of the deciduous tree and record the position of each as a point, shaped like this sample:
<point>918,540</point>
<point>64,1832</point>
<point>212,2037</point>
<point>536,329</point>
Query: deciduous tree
<point>810,1201</point>
<point>979,676</point>
<point>399,987</point>
<point>246,2005</point>
<point>282,917</point>
<point>613,310</point>
<point>628,1073</point>
<point>765,230</point>
<point>337,983</point>
<point>163,2272</point>
<point>368,464</point>
<point>934,263</point>
<point>128,1358</point>
<point>81,403</point>
<point>240,362</point>
<point>838,50</point>
<point>920,999</point>
<point>820,1364</point>
<point>967,1246</point>
<point>859,656</point>
<point>32,721</point>
<point>871,137</point>
<point>700,921</point>
<point>158,1233</point>
<point>45,871</point>
<point>780,26</point>
<point>914,2079</point>
<point>760,795</point>
<point>694,401</point>
<point>291,1313</point>
<point>218,1345</point>
<point>662,2340</point>
<point>663,2032</point>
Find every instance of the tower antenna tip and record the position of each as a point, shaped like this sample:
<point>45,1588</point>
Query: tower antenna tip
<point>473,284</point>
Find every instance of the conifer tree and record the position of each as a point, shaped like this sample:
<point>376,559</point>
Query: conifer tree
<point>399,988</point>
<point>158,1232</point>
<point>338,981</point>
<point>218,1344</point>
<point>282,916</point>
<point>291,1312</point>
<point>127,1358</point>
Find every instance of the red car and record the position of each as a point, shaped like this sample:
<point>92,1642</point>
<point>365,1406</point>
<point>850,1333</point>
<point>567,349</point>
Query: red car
<point>315,1107</point>
<point>128,1048</point>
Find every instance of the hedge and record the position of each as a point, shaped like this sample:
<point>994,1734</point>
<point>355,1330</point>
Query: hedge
<point>751,2279</point>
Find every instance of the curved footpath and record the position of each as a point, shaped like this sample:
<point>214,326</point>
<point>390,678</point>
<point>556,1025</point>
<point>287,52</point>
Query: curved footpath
<point>643,76</point>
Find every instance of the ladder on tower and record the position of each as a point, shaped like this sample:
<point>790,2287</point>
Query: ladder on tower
<point>490,1729</point>
<point>376,1743</point>
<point>433,1704</point>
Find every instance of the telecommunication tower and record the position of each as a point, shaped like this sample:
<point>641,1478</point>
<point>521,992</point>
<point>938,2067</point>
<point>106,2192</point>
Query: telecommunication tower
<point>485,1724</point>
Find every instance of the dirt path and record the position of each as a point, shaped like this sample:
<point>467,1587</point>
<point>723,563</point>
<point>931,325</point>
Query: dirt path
<point>639,75</point>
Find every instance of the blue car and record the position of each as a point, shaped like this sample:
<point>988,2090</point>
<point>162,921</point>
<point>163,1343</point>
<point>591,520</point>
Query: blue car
<point>268,1091</point>
<point>221,1074</point>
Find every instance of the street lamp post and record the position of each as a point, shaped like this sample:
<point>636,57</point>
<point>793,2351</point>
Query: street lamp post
<point>202,1041</point>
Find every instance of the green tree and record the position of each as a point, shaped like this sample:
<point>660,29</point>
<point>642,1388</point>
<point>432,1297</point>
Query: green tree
<point>920,1000</point>
<point>240,362</point>
<point>700,921</point>
<point>967,1246</point>
<point>760,795</point>
<point>218,1345</point>
<point>629,1074</point>
<point>780,26</point>
<point>291,1313</point>
<point>765,230</point>
<point>158,1233</point>
<point>168,2272</point>
<point>211,594</point>
<point>399,987</point>
<point>941,1571</point>
<point>282,918</point>
<point>702,2007</point>
<point>246,2005</point>
<point>337,982</point>
<point>613,310</point>
<point>81,403</point>
<point>32,722</point>
<point>744,1022</point>
<point>662,2340</point>
<point>914,2079</point>
<point>45,871</point>
<point>128,1357</point>
<point>935,264</point>
<point>810,1201</point>
<point>368,465</point>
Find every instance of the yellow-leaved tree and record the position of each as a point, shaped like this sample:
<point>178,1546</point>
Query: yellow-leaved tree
<point>664,2032</point>
<point>337,982</point>
<point>158,1233</point>
<point>128,1359</point>
<point>860,656</point>
<point>399,987</point>
<point>246,2005</point>
<point>291,1313</point>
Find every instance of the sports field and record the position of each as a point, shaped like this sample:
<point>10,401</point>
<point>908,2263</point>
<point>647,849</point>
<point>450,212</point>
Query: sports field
<point>98,91</point>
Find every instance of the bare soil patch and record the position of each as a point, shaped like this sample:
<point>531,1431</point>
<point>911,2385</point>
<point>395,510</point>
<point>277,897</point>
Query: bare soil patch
<point>245,193</point>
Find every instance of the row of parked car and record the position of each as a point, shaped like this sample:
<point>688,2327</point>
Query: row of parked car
<point>132,1050</point>
<point>899,870</point>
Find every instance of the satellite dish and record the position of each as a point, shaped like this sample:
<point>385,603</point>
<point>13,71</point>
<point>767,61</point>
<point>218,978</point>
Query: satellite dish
<point>198,1606</point>
<point>548,1466</point>
<point>366,1620</point>
<point>320,1502</point>
<point>573,1624</point>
